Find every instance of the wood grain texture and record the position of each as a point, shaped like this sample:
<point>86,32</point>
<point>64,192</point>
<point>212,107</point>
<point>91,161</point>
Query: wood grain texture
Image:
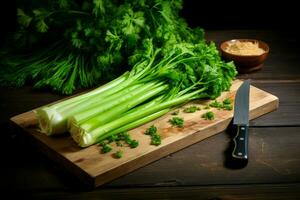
<point>270,161</point>
<point>286,114</point>
<point>228,192</point>
<point>95,168</point>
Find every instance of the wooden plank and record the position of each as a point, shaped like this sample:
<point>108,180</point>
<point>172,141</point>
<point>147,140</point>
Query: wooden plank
<point>236,192</point>
<point>19,100</point>
<point>287,113</point>
<point>95,168</point>
<point>274,157</point>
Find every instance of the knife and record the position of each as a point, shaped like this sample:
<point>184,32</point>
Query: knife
<point>241,121</point>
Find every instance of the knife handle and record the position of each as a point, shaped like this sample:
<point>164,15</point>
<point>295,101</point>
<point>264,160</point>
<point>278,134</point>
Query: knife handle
<point>240,150</point>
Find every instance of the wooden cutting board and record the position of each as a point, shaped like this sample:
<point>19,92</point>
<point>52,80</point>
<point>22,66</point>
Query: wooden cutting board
<point>95,168</point>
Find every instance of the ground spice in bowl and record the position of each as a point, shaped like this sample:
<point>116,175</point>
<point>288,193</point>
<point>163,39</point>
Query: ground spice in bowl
<point>244,48</point>
<point>247,54</point>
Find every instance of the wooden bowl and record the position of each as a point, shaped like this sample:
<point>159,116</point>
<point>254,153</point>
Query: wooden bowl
<point>245,63</point>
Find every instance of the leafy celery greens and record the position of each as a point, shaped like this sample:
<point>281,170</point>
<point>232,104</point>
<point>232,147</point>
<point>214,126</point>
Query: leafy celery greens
<point>64,45</point>
<point>164,64</point>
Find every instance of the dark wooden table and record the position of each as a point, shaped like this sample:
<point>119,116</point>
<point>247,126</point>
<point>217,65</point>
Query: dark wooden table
<point>196,172</point>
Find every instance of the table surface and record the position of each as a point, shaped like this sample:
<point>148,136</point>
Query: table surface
<point>200,171</point>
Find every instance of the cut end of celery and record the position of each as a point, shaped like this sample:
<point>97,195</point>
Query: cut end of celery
<point>80,135</point>
<point>50,122</point>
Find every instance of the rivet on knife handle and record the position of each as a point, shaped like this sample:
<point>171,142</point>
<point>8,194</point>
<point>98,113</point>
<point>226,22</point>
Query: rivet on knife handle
<point>240,150</point>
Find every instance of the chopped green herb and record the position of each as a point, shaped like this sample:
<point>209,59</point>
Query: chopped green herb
<point>133,144</point>
<point>118,139</point>
<point>191,109</point>
<point>216,104</point>
<point>124,136</point>
<point>175,112</point>
<point>151,130</point>
<point>177,121</point>
<point>105,148</point>
<point>112,138</point>
<point>208,115</point>
<point>227,101</point>
<point>155,139</point>
<point>227,107</point>
<point>119,154</point>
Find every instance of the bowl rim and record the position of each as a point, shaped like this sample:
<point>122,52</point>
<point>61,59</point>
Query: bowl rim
<point>245,39</point>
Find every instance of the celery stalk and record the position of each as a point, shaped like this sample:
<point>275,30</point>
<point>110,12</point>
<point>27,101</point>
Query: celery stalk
<point>86,138</point>
<point>53,119</point>
<point>139,122</point>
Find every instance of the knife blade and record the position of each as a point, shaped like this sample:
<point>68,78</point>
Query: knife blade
<point>241,121</point>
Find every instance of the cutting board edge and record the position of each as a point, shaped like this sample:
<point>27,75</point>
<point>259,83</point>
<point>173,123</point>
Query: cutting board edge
<point>272,105</point>
<point>160,153</point>
<point>62,161</point>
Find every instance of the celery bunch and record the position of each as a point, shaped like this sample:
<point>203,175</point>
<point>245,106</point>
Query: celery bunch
<point>159,80</point>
